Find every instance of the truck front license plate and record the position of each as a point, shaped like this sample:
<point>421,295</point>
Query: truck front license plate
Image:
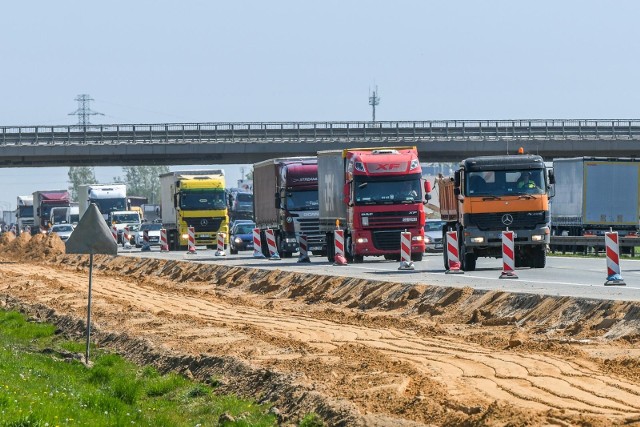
<point>315,248</point>
<point>204,236</point>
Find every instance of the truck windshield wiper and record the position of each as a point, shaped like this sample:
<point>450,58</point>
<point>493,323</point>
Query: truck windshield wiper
<point>491,197</point>
<point>525,196</point>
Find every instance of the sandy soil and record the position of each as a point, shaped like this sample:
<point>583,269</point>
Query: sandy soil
<point>356,352</point>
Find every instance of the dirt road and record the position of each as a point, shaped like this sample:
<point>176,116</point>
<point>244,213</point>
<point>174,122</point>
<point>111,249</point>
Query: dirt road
<point>356,352</point>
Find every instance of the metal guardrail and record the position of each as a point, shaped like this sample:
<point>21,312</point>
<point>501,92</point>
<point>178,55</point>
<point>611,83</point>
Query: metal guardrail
<point>410,131</point>
<point>592,241</point>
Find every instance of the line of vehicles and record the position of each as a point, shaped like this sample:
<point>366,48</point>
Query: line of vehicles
<point>372,194</point>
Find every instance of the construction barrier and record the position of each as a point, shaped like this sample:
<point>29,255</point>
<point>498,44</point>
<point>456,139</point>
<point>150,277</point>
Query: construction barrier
<point>304,253</point>
<point>257,244</point>
<point>338,242</point>
<point>614,278</point>
<point>125,236</point>
<point>220,248</point>
<point>453,253</point>
<point>508,256</point>
<point>405,251</point>
<point>114,233</point>
<point>164,245</point>
<point>145,241</point>
<point>192,240</point>
<point>271,244</point>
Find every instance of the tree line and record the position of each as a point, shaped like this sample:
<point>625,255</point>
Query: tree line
<point>140,180</point>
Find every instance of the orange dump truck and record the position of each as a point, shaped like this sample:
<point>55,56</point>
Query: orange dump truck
<point>492,194</point>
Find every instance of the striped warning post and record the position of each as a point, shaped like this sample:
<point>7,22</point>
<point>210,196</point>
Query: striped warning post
<point>220,249</point>
<point>405,251</point>
<point>304,254</point>
<point>508,256</point>
<point>164,245</point>
<point>145,241</point>
<point>271,244</point>
<point>453,257</point>
<point>612,245</point>
<point>192,241</point>
<point>257,244</point>
<point>114,233</point>
<point>338,242</point>
<point>125,236</point>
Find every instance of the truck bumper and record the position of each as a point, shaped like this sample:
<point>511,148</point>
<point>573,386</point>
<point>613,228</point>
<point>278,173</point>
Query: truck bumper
<point>480,239</point>
<point>367,244</point>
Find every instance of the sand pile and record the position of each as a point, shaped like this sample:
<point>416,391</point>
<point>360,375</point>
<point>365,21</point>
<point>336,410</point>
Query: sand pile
<point>37,247</point>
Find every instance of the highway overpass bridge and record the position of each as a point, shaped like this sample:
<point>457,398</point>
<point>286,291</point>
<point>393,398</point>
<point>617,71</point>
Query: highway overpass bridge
<point>245,143</point>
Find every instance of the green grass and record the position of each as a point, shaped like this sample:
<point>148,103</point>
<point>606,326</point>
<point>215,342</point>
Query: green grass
<point>38,389</point>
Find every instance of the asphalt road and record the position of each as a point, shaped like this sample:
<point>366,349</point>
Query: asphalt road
<point>563,276</point>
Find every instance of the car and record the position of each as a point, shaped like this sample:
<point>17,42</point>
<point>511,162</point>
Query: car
<point>433,235</point>
<point>239,221</point>
<point>241,237</point>
<point>63,231</point>
<point>153,231</point>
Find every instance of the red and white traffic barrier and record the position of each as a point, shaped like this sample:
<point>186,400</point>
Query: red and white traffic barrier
<point>271,244</point>
<point>145,241</point>
<point>304,253</point>
<point>164,244</point>
<point>192,240</point>
<point>612,245</point>
<point>405,251</point>
<point>114,233</point>
<point>257,244</point>
<point>220,249</point>
<point>125,236</point>
<point>453,253</point>
<point>338,243</point>
<point>508,256</point>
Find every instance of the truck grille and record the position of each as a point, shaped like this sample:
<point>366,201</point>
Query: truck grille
<point>392,219</point>
<point>310,227</point>
<point>204,224</point>
<point>521,220</point>
<point>387,240</point>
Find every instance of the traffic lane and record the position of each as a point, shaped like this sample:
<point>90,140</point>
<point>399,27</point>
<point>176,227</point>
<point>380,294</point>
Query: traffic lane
<point>563,276</point>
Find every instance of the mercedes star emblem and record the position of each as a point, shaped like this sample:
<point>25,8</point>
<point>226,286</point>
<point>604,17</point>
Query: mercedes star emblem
<point>507,219</point>
<point>204,222</point>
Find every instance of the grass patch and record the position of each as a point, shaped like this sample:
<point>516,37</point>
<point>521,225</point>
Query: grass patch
<point>38,389</point>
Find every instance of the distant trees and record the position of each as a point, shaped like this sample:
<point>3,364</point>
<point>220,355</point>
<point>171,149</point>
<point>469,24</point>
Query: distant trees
<point>78,176</point>
<point>143,181</point>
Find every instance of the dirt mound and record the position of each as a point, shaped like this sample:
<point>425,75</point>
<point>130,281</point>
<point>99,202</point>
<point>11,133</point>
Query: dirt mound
<point>6,238</point>
<point>39,247</point>
<point>357,352</point>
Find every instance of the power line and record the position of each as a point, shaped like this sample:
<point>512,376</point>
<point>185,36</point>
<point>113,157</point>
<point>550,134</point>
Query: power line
<point>84,111</point>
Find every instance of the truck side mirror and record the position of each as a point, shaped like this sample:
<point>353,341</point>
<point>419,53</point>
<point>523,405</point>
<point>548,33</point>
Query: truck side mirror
<point>345,193</point>
<point>277,200</point>
<point>456,191</point>
<point>457,178</point>
<point>552,177</point>
<point>427,187</point>
<point>175,200</point>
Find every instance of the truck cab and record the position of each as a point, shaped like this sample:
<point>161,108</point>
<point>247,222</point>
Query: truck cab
<point>492,194</point>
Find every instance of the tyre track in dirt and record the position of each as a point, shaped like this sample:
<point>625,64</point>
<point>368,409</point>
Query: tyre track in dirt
<point>393,361</point>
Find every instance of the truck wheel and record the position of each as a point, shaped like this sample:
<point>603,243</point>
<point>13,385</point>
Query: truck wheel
<point>233,251</point>
<point>263,244</point>
<point>358,259</point>
<point>331,250</point>
<point>539,257</point>
<point>445,258</point>
<point>416,257</point>
<point>468,259</point>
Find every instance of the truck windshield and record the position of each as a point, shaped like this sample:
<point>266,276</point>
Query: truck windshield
<point>202,200</point>
<point>505,182</point>
<point>59,215</point>
<point>302,200</point>
<point>387,192</point>
<point>25,211</point>
<point>109,205</point>
<point>125,218</point>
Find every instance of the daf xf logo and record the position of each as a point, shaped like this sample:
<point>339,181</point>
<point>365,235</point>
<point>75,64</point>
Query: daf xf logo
<point>387,166</point>
<point>507,219</point>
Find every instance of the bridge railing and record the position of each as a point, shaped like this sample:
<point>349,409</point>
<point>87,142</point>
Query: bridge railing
<point>570,129</point>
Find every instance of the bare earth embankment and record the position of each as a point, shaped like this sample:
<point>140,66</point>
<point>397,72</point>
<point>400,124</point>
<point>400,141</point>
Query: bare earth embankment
<point>356,352</point>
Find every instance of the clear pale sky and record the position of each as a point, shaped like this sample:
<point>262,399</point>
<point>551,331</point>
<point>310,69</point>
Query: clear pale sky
<point>203,61</point>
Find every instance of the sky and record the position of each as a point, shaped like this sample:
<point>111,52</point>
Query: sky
<point>211,61</point>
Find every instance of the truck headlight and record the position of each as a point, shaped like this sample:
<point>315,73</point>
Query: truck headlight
<point>416,239</point>
<point>362,240</point>
<point>185,236</point>
<point>537,238</point>
<point>477,239</point>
